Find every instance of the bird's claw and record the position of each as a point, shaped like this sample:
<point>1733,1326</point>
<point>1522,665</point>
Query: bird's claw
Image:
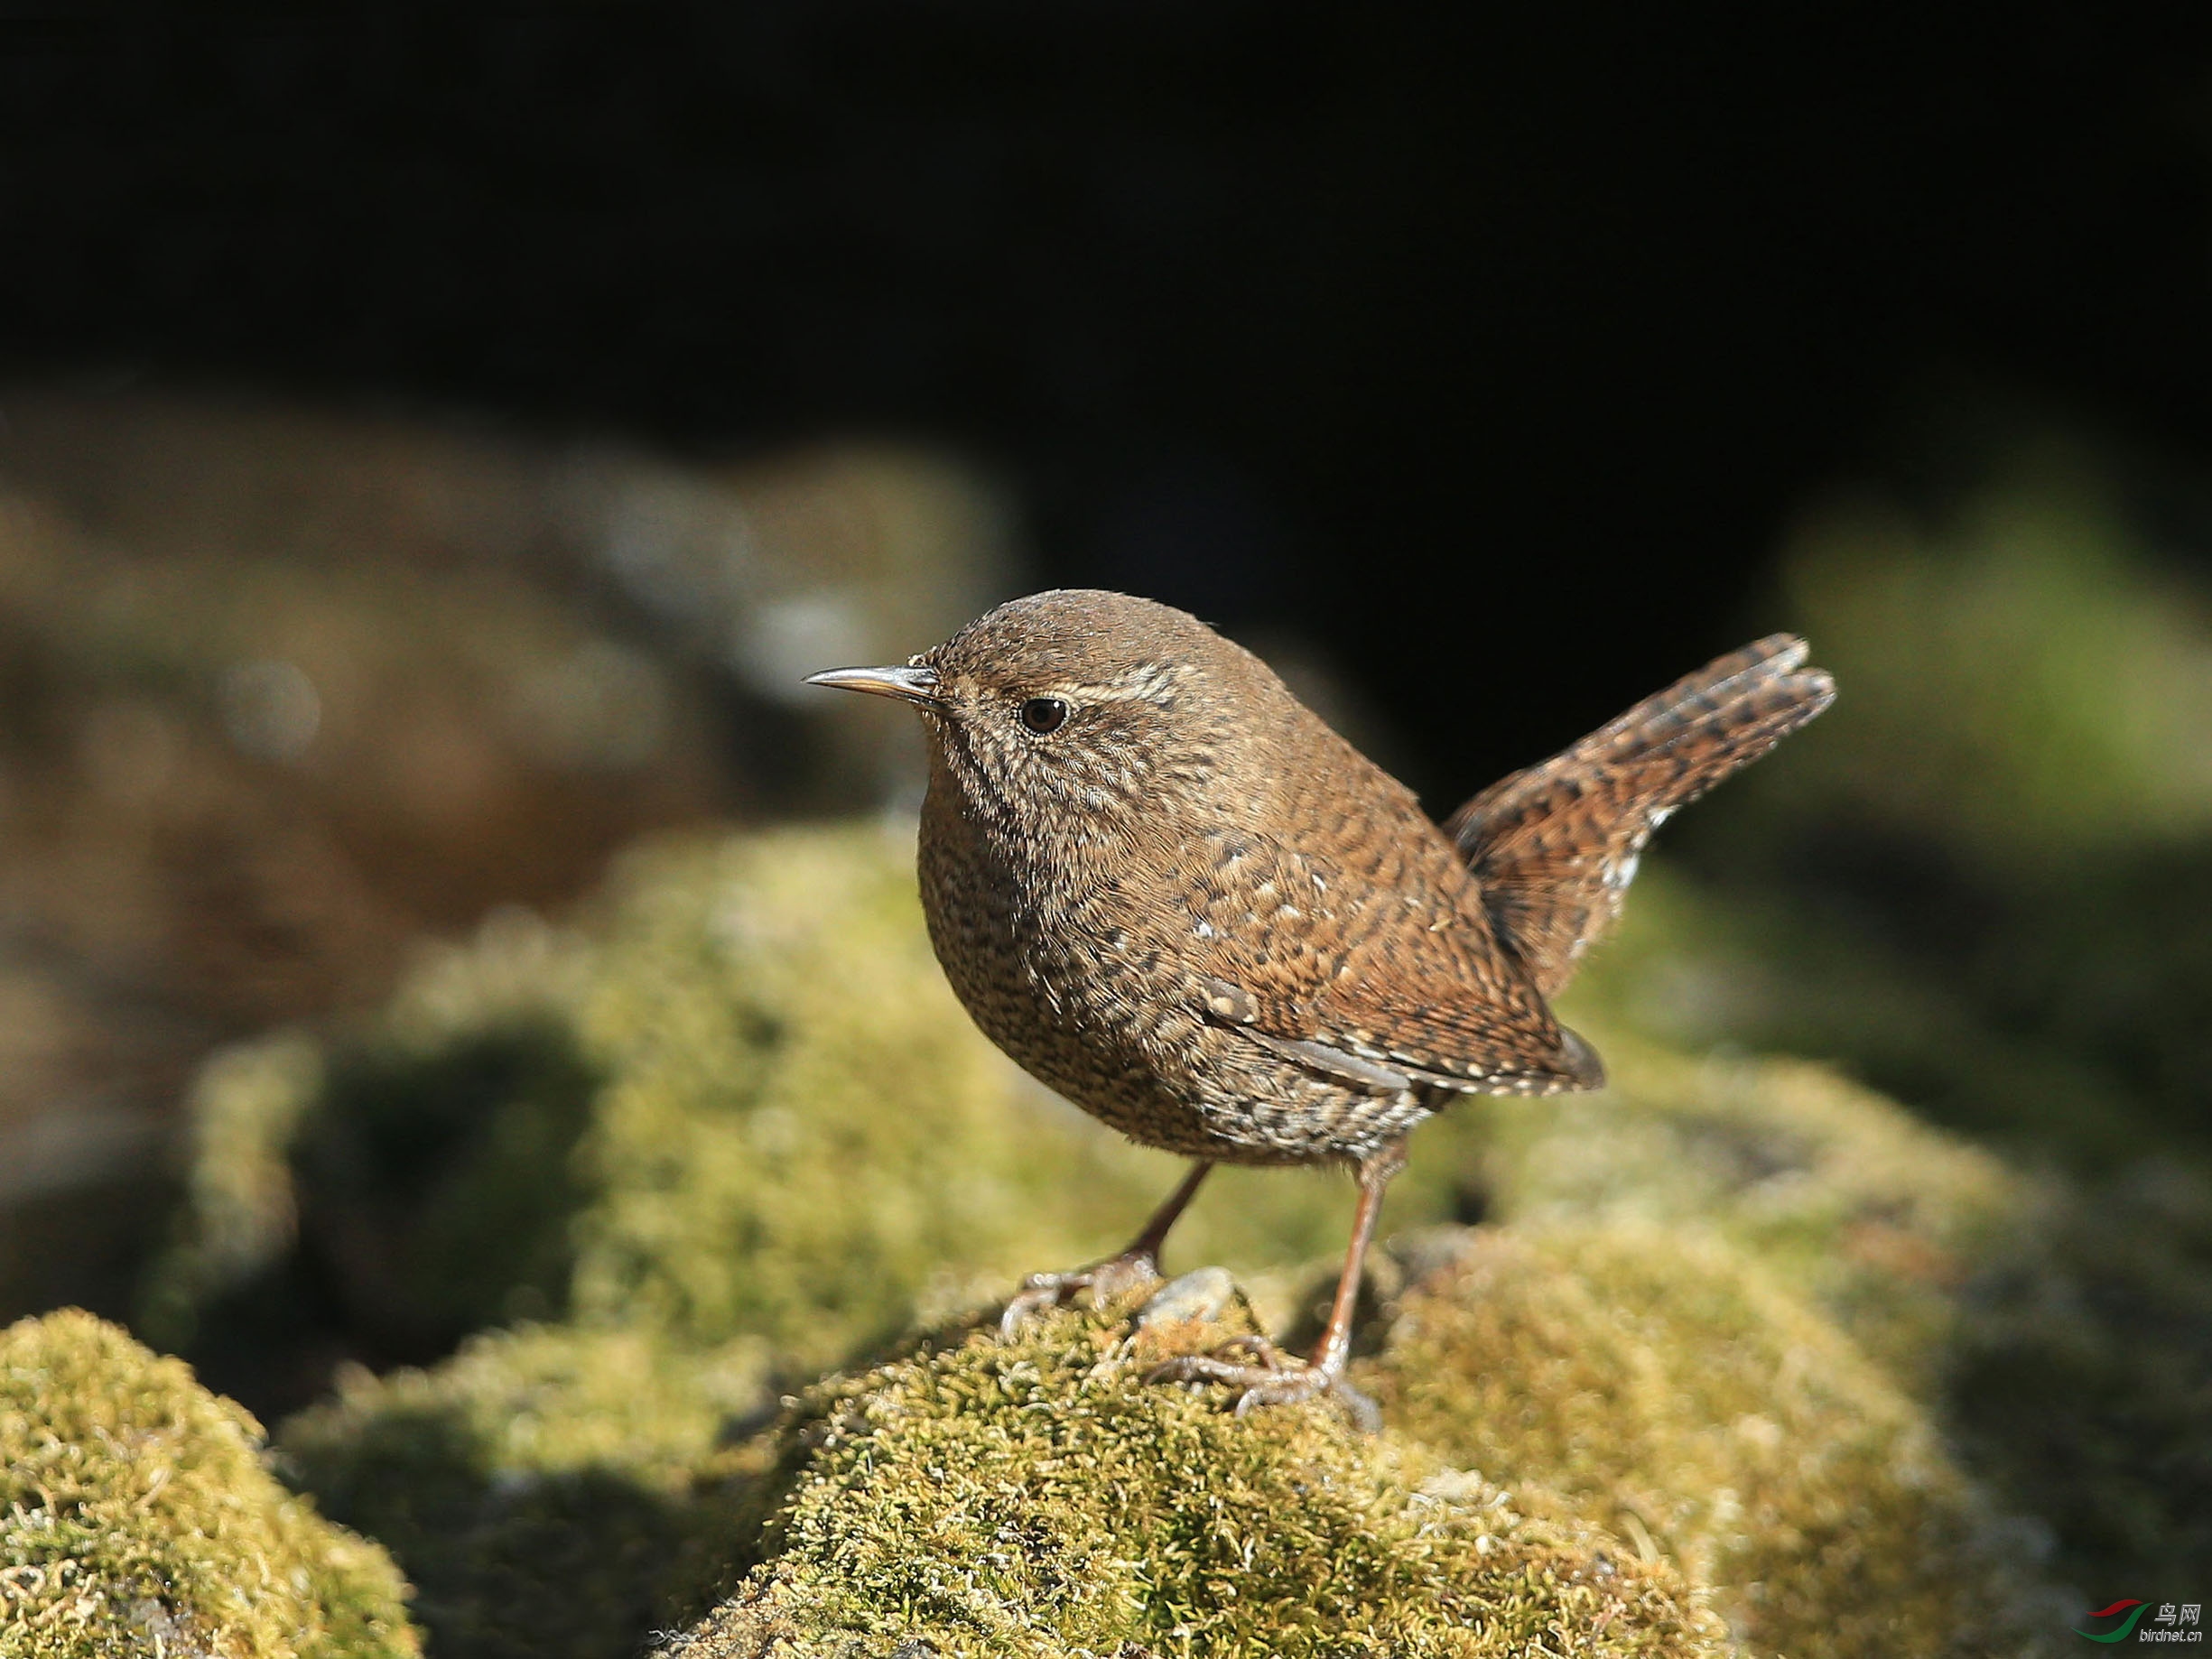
<point>1270,1379</point>
<point>1273,1381</point>
<point>1106,1281</point>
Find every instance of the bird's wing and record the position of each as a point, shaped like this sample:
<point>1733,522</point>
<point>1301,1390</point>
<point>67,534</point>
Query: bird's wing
<point>1378,986</point>
<point>1554,847</point>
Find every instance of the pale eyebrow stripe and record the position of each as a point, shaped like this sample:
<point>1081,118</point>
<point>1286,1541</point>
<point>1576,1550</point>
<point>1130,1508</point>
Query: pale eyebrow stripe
<point>1148,680</point>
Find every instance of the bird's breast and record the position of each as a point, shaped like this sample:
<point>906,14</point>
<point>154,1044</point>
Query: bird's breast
<point>1067,962</point>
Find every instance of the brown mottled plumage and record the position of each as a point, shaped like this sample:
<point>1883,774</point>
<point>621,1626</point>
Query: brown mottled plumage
<point>1166,888</point>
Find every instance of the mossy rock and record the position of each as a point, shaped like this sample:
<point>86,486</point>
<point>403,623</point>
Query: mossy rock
<point>1039,1500</point>
<point>788,1145</point>
<point>552,1491</point>
<point>1593,1434</point>
<point>1878,1220</point>
<point>136,1518</point>
<point>1674,1392</point>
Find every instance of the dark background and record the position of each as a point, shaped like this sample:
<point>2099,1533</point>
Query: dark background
<point>1484,351</point>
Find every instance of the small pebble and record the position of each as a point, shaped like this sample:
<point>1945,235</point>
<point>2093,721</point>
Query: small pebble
<point>1203,1293</point>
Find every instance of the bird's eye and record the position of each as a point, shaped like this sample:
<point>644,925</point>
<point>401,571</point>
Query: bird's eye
<point>1044,714</point>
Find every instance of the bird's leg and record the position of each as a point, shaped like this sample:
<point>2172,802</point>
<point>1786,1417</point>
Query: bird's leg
<point>1272,1383</point>
<point>1138,1266</point>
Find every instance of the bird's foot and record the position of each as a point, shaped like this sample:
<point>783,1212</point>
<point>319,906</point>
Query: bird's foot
<point>1107,1281</point>
<point>1269,1378</point>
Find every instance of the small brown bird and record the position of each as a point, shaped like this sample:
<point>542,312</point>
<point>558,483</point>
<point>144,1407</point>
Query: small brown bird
<point>1172,893</point>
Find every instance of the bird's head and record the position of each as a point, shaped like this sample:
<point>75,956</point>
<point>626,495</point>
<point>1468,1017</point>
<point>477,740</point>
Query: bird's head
<point>1081,702</point>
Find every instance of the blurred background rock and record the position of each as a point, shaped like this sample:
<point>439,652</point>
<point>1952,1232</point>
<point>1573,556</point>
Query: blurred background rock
<point>430,456</point>
<point>288,692</point>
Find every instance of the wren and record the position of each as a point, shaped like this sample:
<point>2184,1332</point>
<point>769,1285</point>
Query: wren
<point>1172,893</point>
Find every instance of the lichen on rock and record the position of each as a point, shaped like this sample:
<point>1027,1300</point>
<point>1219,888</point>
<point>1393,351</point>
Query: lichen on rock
<point>136,1518</point>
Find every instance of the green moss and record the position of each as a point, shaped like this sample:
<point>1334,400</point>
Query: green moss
<point>1040,1498</point>
<point>1673,1393</point>
<point>426,1161</point>
<point>245,1108</point>
<point>136,1518</point>
<point>1877,1217</point>
<point>802,1133</point>
<point>551,1491</point>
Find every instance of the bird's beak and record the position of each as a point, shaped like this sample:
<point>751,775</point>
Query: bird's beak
<point>910,684</point>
